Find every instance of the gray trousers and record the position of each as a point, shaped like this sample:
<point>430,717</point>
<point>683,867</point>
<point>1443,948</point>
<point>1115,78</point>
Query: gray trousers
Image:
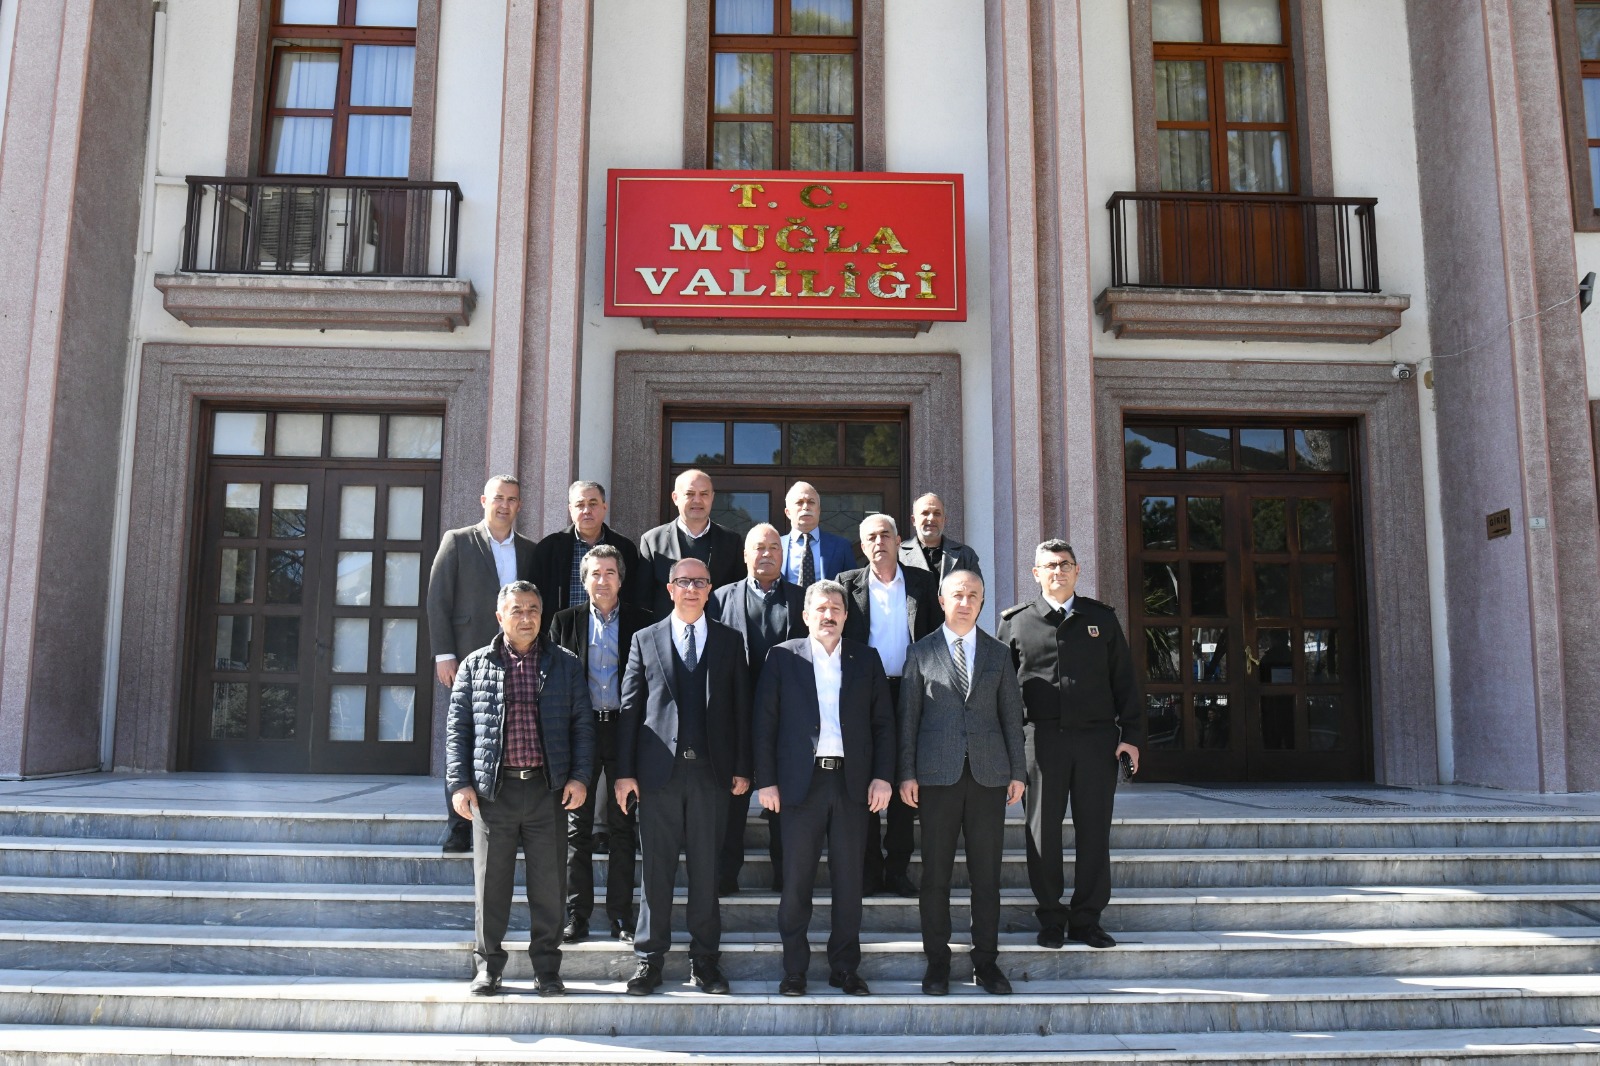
<point>528,815</point>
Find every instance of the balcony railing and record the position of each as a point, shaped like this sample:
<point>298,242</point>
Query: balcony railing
<point>356,227</point>
<point>1218,241</point>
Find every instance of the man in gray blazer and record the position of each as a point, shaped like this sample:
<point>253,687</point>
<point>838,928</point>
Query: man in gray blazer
<point>932,549</point>
<point>962,761</point>
<point>472,565</point>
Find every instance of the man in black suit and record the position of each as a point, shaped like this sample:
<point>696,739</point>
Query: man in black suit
<point>683,746</point>
<point>890,606</point>
<point>1083,716</point>
<point>600,633</point>
<point>692,535</point>
<point>765,610</point>
<point>824,756</point>
<point>962,762</point>
<point>557,558</point>
<point>472,565</point>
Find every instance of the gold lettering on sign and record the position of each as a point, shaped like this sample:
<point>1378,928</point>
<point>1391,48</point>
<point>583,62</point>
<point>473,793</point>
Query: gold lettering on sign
<point>850,276</point>
<point>746,194</point>
<point>805,196</point>
<point>683,240</point>
<point>796,225</point>
<point>738,230</point>
<point>885,241</point>
<point>875,283</point>
<point>834,233</point>
<point>808,280</point>
<point>925,278</point>
<point>780,279</point>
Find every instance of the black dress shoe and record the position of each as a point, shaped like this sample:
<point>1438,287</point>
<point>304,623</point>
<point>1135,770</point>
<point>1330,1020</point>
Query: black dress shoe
<point>646,979</point>
<point>459,840</point>
<point>549,984</point>
<point>900,884</point>
<point>575,930</point>
<point>621,930</point>
<point>484,983</point>
<point>793,984</point>
<point>936,981</point>
<point>850,983</point>
<point>706,974</point>
<point>1092,935</point>
<point>988,977</point>
<point>1052,936</point>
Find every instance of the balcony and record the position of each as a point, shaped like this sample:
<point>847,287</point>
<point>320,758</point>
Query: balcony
<point>319,253</point>
<point>1246,268</point>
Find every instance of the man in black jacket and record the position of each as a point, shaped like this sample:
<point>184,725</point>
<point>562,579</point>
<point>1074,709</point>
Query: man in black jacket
<point>600,633</point>
<point>557,558</point>
<point>692,535</point>
<point>1082,716</point>
<point>518,750</point>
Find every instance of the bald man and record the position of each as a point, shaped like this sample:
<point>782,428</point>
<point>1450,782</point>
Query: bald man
<point>692,535</point>
<point>931,548</point>
<point>811,554</point>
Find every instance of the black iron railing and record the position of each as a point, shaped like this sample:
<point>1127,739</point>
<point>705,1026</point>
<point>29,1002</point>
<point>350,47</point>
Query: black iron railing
<point>372,227</point>
<point>1223,241</point>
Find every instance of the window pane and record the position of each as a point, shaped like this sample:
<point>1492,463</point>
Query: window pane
<point>280,650</point>
<point>288,511</point>
<point>1262,449</point>
<point>1254,92</point>
<point>1594,176</point>
<point>347,712</point>
<point>399,655</point>
<point>1164,721</point>
<point>238,583</point>
<point>1316,590</point>
<point>416,437</point>
<point>280,705</point>
<point>1250,22</point>
<point>286,576</point>
<point>1268,520</point>
<point>1184,157</point>
<point>298,435</point>
<point>1321,450</point>
<point>872,444</point>
<point>1591,108</point>
<point>741,510</point>
<point>402,572</point>
<point>1589,31</point>
<point>405,513</point>
<point>230,710</point>
<point>1181,91</point>
<point>386,13</point>
<point>300,145</point>
<point>1208,591</point>
<point>307,80</point>
<point>1150,449</point>
<point>1322,723</point>
<point>233,642</point>
<point>843,512</point>
<point>236,433</point>
<point>397,706</point>
<point>1161,653</point>
<point>1207,449</point>
<point>1211,721</point>
<point>1272,590</point>
<point>1274,657</point>
<point>1316,525</point>
<point>1160,588</point>
<point>1209,654</point>
<point>1258,160</point>
<point>1277,723</point>
<point>310,12</point>
<point>358,506</point>
<point>382,75</point>
<point>350,645</point>
<point>241,509</point>
<point>833,18</point>
<point>757,443</point>
<point>741,146</point>
<point>1177,20</point>
<point>1322,656</point>
<point>1205,523</point>
<point>379,146</point>
<point>355,436</point>
<point>1158,521</point>
<point>698,443</point>
<point>822,146</point>
<point>822,85</point>
<point>742,83</point>
<point>354,583</point>
<point>744,16</point>
<point>814,443</point>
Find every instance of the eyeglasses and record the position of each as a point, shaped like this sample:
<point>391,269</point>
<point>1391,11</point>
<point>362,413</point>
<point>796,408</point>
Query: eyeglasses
<point>687,583</point>
<point>1060,564</point>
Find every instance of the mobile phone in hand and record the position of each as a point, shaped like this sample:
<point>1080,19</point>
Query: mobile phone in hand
<point>1124,768</point>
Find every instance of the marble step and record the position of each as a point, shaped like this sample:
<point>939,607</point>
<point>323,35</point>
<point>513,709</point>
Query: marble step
<point>1267,831</point>
<point>347,906</point>
<point>1152,868</point>
<point>443,954</point>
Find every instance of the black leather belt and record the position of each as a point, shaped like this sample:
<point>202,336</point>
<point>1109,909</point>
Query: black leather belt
<point>830,762</point>
<point>687,753</point>
<point>607,714</point>
<point>521,773</point>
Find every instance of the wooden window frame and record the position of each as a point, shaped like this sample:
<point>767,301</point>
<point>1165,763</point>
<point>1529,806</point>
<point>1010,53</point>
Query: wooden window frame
<point>783,45</point>
<point>1573,69</point>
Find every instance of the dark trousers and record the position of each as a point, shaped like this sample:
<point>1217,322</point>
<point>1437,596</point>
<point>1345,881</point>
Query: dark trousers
<point>621,840</point>
<point>977,812</point>
<point>900,839</point>
<point>529,815</point>
<point>829,813</point>
<point>731,860</point>
<point>689,813</point>
<point>1076,767</point>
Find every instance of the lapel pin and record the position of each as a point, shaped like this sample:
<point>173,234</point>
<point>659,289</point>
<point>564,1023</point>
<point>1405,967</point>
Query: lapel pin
<point>1094,631</point>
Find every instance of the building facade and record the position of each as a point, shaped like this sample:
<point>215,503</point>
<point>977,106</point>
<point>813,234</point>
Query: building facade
<point>1272,310</point>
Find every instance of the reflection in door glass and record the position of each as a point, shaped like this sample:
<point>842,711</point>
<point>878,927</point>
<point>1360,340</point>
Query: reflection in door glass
<point>280,705</point>
<point>233,642</point>
<point>1322,723</point>
<point>230,710</point>
<point>1274,657</point>
<point>1160,588</point>
<point>402,579</point>
<point>1272,590</point>
<point>1161,653</point>
<point>757,443</point>
<point>1207,449</point>
<point>1158,522</point>
<point>1322,656</point>
<point>814,443</point>
<point>1150,448</point>
<point>1277,723</point>
<point>1205,523</point>
<point>1164,720</point>
<point>741,510</point>
<point>1209,653</point>
<point>350,645</point>
<point>1321,450</point>
<point>397,706</point>
<point>1316,525</point>
<point>286,576</point>
<point>1262,449</point>
<point>1316,589</point>
<point>1208,591</point>
<point>241,509</point>
<point>358,512</point>
<point>289,511</point>
<point>1267,525</point>
<point>238,583</point>
<point>280,651</point>
<point>399,655</point>
<point>347,712</point>
<point>354,588</point>
<point>872,444</point>
<point>842,512</point>
<point>1211,720</point>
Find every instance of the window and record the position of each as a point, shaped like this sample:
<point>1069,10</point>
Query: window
<point>785,85</point>
<point>340,88</point>
<point>1578,47</point>
<point>1223,96</point>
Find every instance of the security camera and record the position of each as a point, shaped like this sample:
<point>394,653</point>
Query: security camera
<point>1402,371</point>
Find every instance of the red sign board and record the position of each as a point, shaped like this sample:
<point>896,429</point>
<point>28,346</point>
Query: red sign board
<point>785,244</point>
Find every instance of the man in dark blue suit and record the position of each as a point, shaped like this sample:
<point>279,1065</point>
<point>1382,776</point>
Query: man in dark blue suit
<point>765,610</point>
<point>682,747</point>
<point>811,554</point>
<point>824,751</point>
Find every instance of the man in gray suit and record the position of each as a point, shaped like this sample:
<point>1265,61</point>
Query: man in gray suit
<point>932,549</point>
<point>962,761</point>
<point>471,567</point>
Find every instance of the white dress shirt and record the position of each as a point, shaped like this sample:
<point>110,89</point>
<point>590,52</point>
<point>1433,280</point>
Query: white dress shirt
<point>890,630</point>
<point>678,640</point>
<point>505,556</point>
<point>1064,608</point>
<point>969,648</point>
<point>792,562</point>
<point>829,672</point>
<point>694,536</point>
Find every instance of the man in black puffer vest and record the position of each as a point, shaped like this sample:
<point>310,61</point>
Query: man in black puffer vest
<point>519,754</point>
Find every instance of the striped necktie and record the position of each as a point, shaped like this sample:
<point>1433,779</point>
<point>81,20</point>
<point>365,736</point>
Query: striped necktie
<point>959,657</point>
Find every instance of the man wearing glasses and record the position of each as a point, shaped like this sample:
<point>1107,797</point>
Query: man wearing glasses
<point>682,747</point>
<point>1082,717</point>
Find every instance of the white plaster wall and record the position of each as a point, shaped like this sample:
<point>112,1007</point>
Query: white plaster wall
<point>194,140</point>
<point>640,43</point>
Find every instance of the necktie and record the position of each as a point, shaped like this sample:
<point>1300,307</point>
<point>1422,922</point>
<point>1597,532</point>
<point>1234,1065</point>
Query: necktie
<point>690,657</point>
<point>808,567</point>
<point>959,657</point>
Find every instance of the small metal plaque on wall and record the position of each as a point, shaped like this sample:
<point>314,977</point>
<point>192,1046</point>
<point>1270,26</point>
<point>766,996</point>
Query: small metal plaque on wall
<point>1500,524</point>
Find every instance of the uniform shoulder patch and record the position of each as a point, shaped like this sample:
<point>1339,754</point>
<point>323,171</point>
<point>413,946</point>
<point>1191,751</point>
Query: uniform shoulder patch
<point>1012,612</point>
<point>1092,602</point>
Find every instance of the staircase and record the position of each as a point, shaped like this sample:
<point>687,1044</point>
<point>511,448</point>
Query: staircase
<point>1318,928</point>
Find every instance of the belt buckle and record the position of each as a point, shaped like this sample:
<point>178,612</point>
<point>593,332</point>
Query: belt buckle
<point>829,762</point>
<point>605,715</point>
<point>688,754</point>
